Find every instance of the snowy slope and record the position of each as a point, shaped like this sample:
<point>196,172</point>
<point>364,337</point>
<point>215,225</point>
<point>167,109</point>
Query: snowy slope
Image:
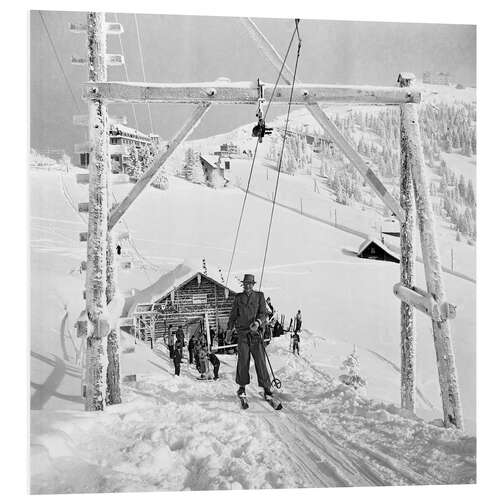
<point>177,433</point>
<point>307,261</point>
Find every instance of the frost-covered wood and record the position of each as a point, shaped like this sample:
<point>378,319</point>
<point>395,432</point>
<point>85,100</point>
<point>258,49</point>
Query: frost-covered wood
<point>246,93</point>
<point>160,159</point>
<point>328,126</point>
<point>447,372</point>
<point>96,301</point>
<point>424,302</point>
<point>115,306</point>
<point>407,270</point>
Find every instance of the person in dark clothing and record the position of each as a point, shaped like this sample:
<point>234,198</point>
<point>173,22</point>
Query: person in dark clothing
<point>248,314</point>
<point>298,321</point>
<point>295,342</point>
<point>177,357</point>
<point>179,335</point>
<point>191,349</point>
<point>215,363</point>
<point>212,335</point>
<point>270,308</point>
<point>170,341</point>
<point>278,329</point>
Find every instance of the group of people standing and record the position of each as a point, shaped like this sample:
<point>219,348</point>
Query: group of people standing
<point>199,353</point>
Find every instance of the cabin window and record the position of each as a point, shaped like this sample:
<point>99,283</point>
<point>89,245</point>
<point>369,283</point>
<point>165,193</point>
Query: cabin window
<point>84,159</point>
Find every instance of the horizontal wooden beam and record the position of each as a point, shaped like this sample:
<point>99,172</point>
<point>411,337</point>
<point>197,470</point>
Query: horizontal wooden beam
<point>158,162</point>
<point>221,92</point>
<point>424,302</point>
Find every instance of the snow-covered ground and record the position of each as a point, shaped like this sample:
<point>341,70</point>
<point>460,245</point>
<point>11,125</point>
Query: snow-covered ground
<point>179,433</point>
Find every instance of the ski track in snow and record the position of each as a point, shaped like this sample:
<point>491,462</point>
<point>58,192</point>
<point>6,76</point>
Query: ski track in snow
<point>178,433</point>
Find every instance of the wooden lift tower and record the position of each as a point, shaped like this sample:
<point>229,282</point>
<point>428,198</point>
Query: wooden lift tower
<point>103,303</point>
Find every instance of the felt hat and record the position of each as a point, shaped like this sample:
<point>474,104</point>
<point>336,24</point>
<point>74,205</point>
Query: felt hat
<point>248,278</point>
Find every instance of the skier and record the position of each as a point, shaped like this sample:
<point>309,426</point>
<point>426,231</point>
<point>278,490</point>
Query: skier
<point>295,342</point>
<point>191,349</point>
<point>215,363</point>
<point>177,356</point>
<point>248,314</point>
<point>270,308</point>
<point>298,321</point>
<point>179,335</point>
<point>171,342</point>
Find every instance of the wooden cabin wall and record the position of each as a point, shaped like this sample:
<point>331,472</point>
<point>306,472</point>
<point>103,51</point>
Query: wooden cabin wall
<point>182,309</point>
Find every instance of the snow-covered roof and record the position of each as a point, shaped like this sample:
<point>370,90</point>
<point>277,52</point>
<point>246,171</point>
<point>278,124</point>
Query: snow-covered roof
<point>377,242</point>
<point>118,127</point>
<point>174,279</point>
<point>212,160</point>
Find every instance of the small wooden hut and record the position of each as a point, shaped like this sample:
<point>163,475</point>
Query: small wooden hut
<point>373,248</point>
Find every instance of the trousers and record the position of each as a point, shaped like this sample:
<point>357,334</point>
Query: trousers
<point>251,344</point>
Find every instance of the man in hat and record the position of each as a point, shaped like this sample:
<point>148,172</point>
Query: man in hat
<point>247,316</point>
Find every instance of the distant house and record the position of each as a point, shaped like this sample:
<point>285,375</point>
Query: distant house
<point>439,78</point>
<point>373,248</point>
<point>228,150</point>
<point>216,170</point>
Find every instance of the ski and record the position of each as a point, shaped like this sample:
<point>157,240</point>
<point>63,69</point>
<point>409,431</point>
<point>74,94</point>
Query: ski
<point>243,402</point>
<point>275,403</point>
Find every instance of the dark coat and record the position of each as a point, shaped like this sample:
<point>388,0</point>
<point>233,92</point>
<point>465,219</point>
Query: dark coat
<point>177,355</point>
<point>247,309</point>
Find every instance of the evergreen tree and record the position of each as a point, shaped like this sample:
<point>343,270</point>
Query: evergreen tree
<point>351,375</point>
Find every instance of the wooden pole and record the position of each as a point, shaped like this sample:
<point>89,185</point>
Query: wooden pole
<point>407,267</point>
<point>113,390</point>
<point>96,355</point>
<point>447,372</point>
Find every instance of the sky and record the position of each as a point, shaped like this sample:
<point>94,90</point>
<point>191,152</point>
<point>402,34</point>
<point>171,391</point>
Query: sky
<point>198,48</point>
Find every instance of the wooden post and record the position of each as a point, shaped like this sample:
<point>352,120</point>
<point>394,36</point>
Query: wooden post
<point>447,372</point>
<point>96,355</point>
<point>113,391</point>
<point>407,266</point>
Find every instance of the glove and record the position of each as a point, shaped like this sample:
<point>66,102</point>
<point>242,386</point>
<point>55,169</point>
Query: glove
<point>254,326</point>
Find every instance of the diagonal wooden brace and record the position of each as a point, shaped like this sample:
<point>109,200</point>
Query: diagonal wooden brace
<point>329,127</point>
<point>160,159</point>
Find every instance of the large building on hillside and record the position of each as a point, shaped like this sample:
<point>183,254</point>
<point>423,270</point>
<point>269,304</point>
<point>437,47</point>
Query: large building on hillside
<point>121,139</point>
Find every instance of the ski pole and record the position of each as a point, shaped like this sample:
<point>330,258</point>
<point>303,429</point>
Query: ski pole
<point>276,381</point>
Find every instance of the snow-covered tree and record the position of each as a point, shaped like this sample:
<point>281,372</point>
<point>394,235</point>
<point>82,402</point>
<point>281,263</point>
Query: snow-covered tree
<point>351,375</point>
<point>133,167</point>
<point>160,180</point>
